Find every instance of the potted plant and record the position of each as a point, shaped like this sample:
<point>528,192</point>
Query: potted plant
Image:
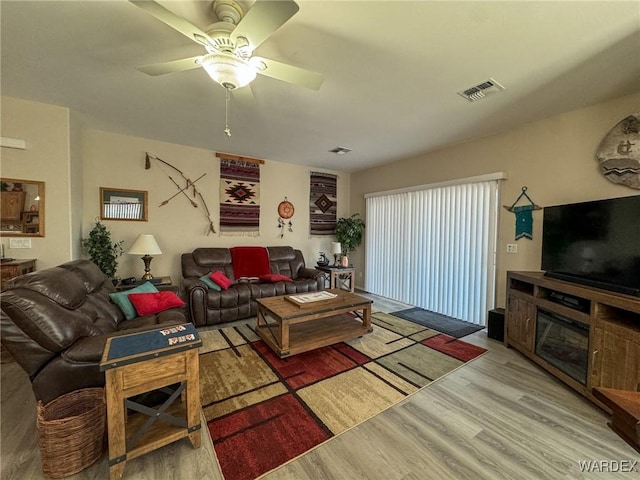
<point>349,233</point>
<point>101,250</point>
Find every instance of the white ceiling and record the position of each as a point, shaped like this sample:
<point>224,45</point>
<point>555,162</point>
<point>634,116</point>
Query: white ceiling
<point>392,70</point>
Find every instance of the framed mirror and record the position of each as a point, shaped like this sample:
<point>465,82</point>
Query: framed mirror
<point>22,208</point>
<point>119,204</point>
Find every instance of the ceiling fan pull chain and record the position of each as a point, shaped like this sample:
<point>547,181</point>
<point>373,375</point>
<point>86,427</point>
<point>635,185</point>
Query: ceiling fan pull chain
<point>227,130</point>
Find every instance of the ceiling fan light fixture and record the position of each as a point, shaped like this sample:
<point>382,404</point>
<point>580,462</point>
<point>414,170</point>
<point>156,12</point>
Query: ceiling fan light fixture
<point>228,70</point>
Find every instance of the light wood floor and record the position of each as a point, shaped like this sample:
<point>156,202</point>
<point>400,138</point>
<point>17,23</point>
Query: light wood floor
<point>499,417</point>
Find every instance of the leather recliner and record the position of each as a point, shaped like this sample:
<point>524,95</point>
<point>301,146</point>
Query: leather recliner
<point>55,323</point>
<point>210,307</point>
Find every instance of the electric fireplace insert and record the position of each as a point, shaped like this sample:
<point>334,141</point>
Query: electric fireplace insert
<point>563,343</point>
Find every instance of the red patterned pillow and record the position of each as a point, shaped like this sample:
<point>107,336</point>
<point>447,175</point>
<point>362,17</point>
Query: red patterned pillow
<point>152,303</point>
<point>221,279</point>
<point>274,277</point>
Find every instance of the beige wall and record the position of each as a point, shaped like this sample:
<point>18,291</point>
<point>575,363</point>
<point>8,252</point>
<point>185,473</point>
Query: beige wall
<point>45,129</point>
<point>113,160</point>
<point>76,185</point>
<point>554,158</point>
<point>74,162</point>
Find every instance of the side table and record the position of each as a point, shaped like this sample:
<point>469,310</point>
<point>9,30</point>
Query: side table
<point>143,362</point>
<point>157,281</point>
<point>11,268</point>
<point>340,277</point>
<point>625,413</point>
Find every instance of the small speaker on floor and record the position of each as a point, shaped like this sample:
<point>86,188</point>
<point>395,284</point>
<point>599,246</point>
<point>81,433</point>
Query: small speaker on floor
<point>495,324</point>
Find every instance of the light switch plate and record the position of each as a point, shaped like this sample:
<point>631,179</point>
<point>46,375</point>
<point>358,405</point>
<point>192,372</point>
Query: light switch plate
<point>512,248</point>
<point>19,243</point>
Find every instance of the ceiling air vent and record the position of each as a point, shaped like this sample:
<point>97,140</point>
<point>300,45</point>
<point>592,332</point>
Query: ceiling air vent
<point>482,90</point>
<point>340,150</point>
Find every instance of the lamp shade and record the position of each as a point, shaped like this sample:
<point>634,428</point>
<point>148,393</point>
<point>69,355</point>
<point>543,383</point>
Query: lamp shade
<point>336,248</point>
<point>145,245</point>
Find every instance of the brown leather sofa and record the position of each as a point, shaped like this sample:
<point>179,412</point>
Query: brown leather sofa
<point>210,307</point>
<point>55,323</point>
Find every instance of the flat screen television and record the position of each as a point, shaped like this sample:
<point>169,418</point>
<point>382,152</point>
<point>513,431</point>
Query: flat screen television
<point>594,243</point>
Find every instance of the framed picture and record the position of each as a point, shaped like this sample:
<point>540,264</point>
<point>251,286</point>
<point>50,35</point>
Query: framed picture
<point>120,204</point>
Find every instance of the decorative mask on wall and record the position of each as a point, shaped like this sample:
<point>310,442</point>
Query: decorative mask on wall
<point>619,152</point>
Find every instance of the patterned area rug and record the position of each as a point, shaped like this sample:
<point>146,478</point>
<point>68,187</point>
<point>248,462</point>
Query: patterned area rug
<point>441,323</point>
<point>263,411</point>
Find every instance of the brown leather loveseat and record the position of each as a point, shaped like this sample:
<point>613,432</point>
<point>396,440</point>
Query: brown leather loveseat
<point>210,307</point>
<point>55,323</point>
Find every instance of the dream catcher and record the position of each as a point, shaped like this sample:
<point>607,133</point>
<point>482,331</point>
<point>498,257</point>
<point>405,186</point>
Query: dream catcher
<point>285,212</point>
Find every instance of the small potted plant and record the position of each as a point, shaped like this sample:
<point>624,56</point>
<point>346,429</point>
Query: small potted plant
<point>102,251</point>
<point>349,232</point>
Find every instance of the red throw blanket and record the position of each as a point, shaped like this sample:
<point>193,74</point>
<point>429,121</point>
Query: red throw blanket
<point>250,261</point>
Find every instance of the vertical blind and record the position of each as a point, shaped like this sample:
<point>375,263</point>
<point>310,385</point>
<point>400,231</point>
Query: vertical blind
<point>435,248</point>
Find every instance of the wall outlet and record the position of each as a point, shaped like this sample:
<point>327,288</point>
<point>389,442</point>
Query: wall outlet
<point>512,248</point>
<point>19,243</point>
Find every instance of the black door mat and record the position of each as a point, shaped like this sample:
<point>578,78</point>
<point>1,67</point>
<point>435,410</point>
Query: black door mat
<point>441,323</point>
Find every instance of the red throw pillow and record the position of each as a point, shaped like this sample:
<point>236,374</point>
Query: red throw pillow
<point>221,279</point>
<point>152,303</point>
<point>274,277</point>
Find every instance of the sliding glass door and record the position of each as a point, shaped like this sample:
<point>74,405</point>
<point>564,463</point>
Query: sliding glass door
<point>434,247</point>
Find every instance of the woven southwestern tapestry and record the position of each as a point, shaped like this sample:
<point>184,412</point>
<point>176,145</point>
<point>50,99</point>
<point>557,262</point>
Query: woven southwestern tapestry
<point>323,203</point>
<point>239,197</point>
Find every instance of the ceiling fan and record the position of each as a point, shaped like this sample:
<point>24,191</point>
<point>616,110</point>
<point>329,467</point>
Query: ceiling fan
<point>230,43</point>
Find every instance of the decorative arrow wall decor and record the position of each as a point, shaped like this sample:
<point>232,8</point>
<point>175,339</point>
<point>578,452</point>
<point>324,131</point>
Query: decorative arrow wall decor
<point>189,187</point>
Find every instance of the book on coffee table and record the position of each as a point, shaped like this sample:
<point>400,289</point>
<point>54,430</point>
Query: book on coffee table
<point>307,298</point>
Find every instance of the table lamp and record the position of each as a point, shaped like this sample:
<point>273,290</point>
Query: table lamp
<point>145,245</point>
<point>336,249</point>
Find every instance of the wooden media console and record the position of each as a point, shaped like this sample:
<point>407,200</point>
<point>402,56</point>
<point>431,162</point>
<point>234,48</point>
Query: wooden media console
<point>601,334</point>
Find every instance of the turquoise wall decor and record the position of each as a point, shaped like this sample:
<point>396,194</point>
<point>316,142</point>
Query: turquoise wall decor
<point>524,215</point>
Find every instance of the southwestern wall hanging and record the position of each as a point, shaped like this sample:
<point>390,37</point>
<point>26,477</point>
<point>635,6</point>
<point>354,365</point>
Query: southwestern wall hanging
<point>239,195</point>
<point>190,191</point>
<point>285,212</point>
<point>524,215</point>
<point>323,203</point>
<point>619,152</point>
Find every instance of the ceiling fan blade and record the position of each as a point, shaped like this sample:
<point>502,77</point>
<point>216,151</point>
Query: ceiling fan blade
<point>244,95</point>
<point>288,73</point>
<point>174,21</point>
<point>262,19</point>
<point>170,67</point>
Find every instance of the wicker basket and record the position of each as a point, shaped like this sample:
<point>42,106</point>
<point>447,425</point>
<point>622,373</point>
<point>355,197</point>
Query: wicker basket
<point>71,432</point>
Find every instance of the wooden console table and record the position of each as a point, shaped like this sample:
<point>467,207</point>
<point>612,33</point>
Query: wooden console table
<point>143,362</point>
<point>15,268</point>
<point>611,357</point>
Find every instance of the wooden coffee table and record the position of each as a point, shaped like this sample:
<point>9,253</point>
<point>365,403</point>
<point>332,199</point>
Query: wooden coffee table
<point>290,329</point>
